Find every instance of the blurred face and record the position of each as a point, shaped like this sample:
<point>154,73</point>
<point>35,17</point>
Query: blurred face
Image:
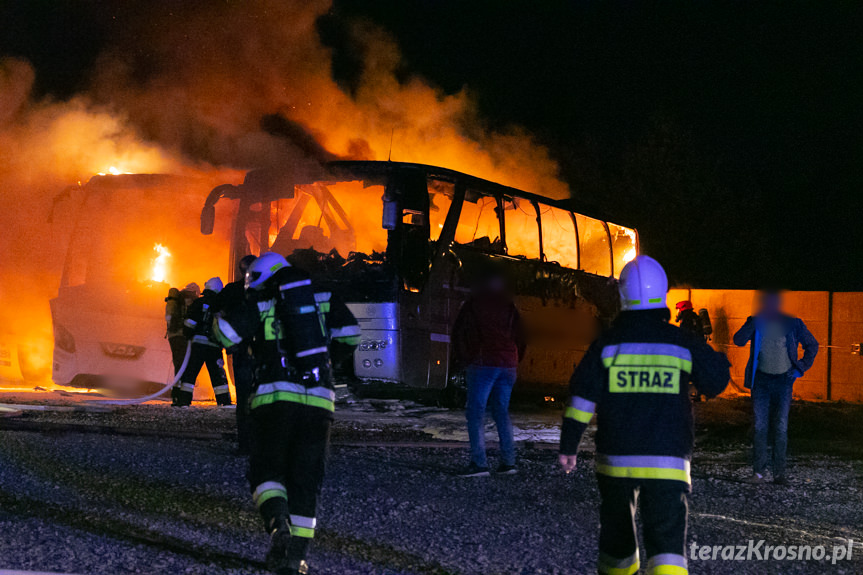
<point>771,303</point>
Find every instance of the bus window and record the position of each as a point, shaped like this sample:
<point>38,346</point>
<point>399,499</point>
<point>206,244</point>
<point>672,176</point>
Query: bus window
<point>623,246</point>
<point>478,225</point>
<point>522,231</point>
<point>126,238</point>
<point>595,252</point>
<point>558,236</point>
<point>440,199</point>
<point>344,216</point>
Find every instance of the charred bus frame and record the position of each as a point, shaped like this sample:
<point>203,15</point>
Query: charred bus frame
<point>406,297</point>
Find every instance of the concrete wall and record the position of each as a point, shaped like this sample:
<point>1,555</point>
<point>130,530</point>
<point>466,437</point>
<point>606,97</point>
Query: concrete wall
<point>844,381</point>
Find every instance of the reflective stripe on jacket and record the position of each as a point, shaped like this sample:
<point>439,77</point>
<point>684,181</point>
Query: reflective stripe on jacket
<point>635,378</point>
<point>267,393</point>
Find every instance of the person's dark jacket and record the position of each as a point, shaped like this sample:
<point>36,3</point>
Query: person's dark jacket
<point>796,334</point>
<point>634,378</point>
<point>175,311</point>
<point>488,332</point>
<point>232,295</point>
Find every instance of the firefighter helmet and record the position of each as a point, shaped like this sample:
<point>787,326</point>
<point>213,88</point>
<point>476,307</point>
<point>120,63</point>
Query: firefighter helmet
<point>684,305</point>
<point>643,285</point>
<point>193,289</point>
<point>263,268</point>
<point>214,284</point>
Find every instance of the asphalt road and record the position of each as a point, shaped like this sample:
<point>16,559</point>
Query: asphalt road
<point>94,504</point>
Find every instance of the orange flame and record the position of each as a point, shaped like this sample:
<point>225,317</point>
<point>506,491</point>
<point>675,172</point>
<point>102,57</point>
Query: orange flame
<point>160,263</point>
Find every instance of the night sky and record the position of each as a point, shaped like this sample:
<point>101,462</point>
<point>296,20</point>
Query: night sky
<point>729,133</point>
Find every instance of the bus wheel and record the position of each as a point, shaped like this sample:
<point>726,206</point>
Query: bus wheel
<point>454,395</point>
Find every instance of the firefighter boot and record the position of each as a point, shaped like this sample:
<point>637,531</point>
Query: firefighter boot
<point>298,549</point>
<point>280,541</point>
<point>297,567</point>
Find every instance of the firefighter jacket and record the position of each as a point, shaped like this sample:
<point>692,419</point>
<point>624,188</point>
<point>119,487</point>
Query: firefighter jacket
<point>174,313</point>
<point>197,326</point>
<point>294,332</point>
<point>635,379</point>
<point>690,321</point>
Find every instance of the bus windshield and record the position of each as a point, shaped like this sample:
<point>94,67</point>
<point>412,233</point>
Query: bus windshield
<point>344,218</point>
<point>331,229</point>
<point>135,230</point>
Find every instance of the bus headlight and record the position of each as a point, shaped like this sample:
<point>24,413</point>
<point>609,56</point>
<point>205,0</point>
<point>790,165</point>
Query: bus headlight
<point>367,363</point>
<point>372,344</point>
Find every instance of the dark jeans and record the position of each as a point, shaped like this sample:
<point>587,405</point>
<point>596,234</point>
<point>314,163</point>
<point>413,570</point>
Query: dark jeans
<point>771,402</point>
<point>664,513</point>
<point>490,387</point>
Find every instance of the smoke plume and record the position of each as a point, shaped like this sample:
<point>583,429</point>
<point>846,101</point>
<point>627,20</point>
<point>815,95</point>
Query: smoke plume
<point>197,86</point>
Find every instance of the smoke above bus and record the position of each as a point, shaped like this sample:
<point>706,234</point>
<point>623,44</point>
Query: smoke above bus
<point>189,91</point>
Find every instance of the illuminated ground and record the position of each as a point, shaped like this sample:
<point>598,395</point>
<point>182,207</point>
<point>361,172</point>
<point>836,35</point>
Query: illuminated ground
<point>94,503</point>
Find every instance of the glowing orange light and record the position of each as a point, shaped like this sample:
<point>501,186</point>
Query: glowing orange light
<point>114,171</point>
<point>160,263</point>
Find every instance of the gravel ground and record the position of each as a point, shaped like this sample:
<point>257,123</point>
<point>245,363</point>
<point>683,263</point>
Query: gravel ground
<point>94,504</point>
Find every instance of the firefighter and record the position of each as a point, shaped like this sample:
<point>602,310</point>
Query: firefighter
<point>635,379</point>
<point>234,296</point>
<point>294,332</point>
<point>205,350</point>
<point>176,305</point>
<point>688,320</point>
<point>174,313</point>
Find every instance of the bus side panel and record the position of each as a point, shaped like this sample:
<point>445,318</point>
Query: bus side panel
<point>563,311</point>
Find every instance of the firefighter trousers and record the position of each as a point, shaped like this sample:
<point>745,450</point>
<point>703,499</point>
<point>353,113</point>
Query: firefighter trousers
<point>286,467</point>
<point>244,377</point>
<point>178,351</point>
<point>664,515</point>
<point>211,356</point>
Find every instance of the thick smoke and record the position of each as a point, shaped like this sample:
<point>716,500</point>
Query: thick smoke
<point>44,147</point>
<point>201,80</point>
<point>184,87</point>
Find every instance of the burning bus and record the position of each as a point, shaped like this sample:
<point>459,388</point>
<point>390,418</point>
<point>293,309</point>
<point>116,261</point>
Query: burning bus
<point>400,242</point>
<point>132,237</point>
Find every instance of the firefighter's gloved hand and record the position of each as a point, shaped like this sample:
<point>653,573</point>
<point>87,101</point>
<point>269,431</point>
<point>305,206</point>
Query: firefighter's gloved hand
<point>568,462</point>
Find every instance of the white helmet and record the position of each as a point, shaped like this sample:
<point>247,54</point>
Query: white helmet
<point>643,284</point>
<point>214,284</point>
<point>263,269</point>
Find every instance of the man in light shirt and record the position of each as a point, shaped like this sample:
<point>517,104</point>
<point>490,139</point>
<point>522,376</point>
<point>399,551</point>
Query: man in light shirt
<point>774,365</point>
